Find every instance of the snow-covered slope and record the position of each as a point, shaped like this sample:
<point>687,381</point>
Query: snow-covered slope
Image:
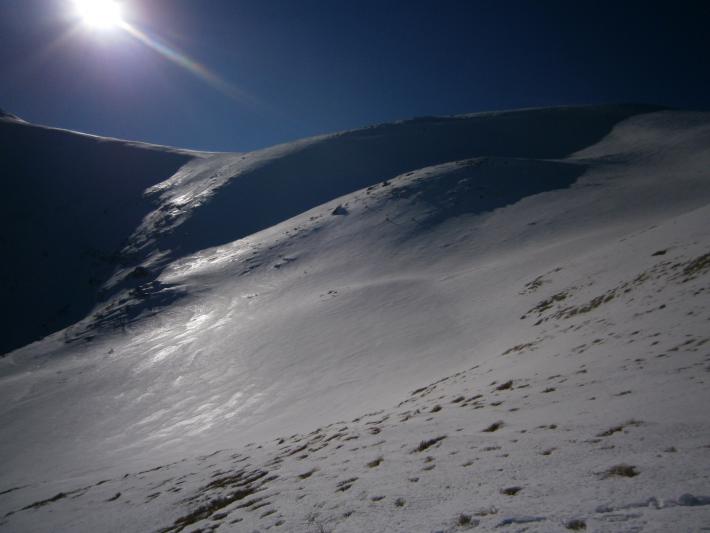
<point>538,278</point>
<point>87,216</point>
<point>251,192</point>
<point>69,203</point>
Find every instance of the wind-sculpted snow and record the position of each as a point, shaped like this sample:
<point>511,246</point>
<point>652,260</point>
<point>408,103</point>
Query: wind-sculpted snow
<point>496,341</point>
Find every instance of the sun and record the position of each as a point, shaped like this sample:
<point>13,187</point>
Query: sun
<point>100,13</point>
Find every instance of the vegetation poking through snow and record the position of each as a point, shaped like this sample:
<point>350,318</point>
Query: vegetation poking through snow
<point>426,444</point>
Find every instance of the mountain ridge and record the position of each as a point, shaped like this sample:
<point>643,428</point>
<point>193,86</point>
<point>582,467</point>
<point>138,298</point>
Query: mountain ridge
<point>489,341</point>
<point>273,184</point>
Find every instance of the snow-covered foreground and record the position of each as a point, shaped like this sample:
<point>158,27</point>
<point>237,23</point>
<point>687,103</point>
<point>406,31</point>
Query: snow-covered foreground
<point>515,337</point>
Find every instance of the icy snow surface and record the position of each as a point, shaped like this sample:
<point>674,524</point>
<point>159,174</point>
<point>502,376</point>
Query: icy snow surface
<point>495,321</point>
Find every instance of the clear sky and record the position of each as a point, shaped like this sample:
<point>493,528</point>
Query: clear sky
<point>293,68</point>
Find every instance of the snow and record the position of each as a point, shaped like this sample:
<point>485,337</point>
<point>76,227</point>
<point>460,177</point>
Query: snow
<point>69,203</point>
<point>319,314</point>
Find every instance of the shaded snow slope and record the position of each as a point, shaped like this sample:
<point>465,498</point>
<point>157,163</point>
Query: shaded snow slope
<point>583,279</point>
<point>69,204</point>
<point>101,215</point>
<point>263,188</point>
<point>228,196</point>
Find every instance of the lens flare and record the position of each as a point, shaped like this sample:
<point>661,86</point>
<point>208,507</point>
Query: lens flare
<point>181,59</point>
<point>100,13</point>
<point>108,14</point>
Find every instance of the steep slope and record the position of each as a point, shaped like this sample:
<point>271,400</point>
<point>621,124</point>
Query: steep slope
<point>70,202</point>
<point>228,197</point>
<point>87,217</point>
<point>583,279</point>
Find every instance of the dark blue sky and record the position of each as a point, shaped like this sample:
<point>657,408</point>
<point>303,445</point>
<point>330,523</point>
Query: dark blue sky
<point>316,66</point>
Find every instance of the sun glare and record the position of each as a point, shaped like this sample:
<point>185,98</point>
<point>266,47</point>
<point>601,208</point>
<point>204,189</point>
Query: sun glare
<point>100,13</point>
